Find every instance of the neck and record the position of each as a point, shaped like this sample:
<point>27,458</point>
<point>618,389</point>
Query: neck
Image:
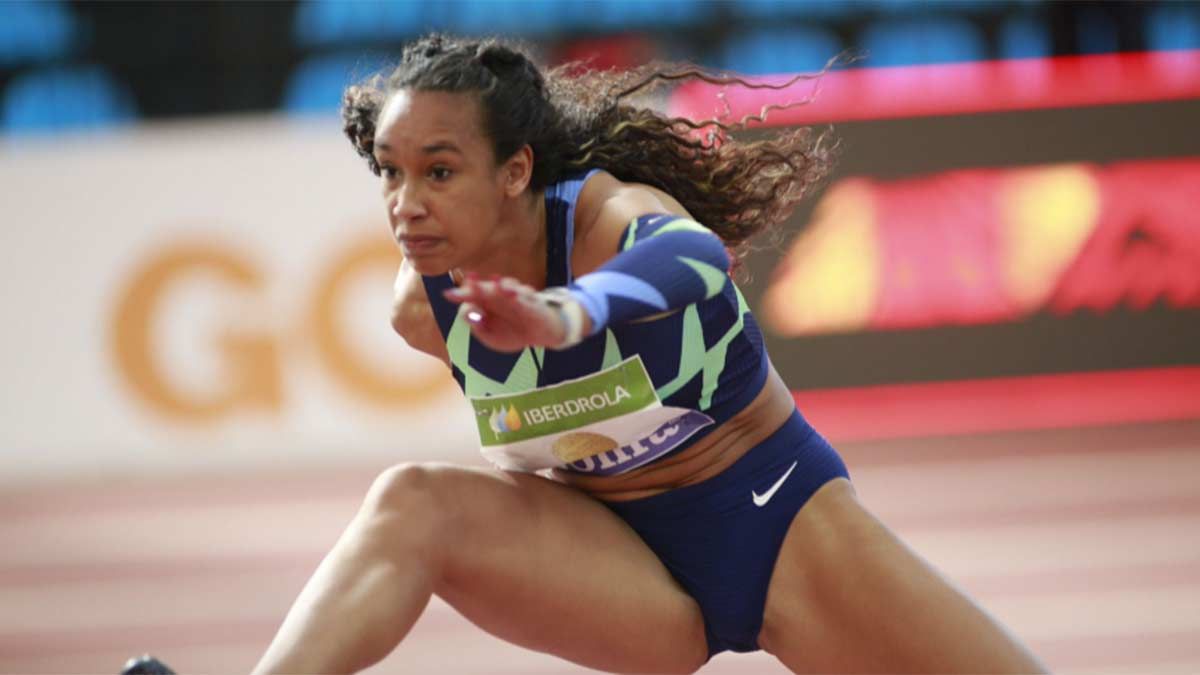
<point>518,249</point>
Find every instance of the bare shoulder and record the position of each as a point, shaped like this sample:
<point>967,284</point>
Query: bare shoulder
<point>605,207</point>
<point>412,315</point>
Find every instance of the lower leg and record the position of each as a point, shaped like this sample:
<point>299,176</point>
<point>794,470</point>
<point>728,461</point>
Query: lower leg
<point>362,600</point>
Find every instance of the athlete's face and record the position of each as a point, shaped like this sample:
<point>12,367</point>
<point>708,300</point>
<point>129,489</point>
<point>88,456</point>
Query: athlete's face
<point>443,189</point>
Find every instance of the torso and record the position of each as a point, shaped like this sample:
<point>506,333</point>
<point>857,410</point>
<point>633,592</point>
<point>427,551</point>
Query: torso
<point>702,460</point>
<point>596,241</point>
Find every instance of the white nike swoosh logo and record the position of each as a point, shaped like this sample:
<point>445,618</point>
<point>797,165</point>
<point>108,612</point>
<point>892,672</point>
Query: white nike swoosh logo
<point>761,500</point>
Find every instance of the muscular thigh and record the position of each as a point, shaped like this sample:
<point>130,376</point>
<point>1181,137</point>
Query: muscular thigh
<point>545,566</point>
<point>847,595</point>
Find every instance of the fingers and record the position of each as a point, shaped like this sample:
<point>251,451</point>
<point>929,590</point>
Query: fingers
<point>472,288</point>
<point>493,293</point>
<point>482,299</point>
<point>474,315</point>
<point>506,314</point>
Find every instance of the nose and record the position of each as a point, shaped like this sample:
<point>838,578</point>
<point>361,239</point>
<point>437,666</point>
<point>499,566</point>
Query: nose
<point>406,204</point>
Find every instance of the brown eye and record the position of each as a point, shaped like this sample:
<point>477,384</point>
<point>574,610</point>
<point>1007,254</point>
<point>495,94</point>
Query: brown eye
<point>440,173</point>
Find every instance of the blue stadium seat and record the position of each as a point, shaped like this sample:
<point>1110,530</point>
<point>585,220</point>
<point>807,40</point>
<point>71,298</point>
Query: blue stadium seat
<point>537,17</point>
<point>895,6</point>
<point>490,17</point>
<point>620,14</point>
<point>325,22</point>
<point>1096,32</point>
<point>896,42</point>
<point>774,9</point>
<point>1024,37</point>
<point>940,6</point>
<point>780,50</point>
<point>35,31</point>
<point>61,98</point>
<point>1173,26</point>
<point>317,84</point>
<point>784,9</point>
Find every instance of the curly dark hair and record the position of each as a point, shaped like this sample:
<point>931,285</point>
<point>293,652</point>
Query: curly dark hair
<point>574,118</point>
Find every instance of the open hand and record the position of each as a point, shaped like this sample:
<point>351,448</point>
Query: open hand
<point>507,315</point>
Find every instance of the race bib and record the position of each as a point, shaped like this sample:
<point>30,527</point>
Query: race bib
<point>605,423</point>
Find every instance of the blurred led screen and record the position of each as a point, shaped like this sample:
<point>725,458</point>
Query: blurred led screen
<point>985,246</point>
<point>1002,237</point>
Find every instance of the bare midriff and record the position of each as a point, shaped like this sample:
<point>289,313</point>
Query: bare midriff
<point>706,458</point>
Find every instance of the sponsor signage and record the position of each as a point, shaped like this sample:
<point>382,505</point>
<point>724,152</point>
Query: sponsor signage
<point>948,88</point>
<point>209,293</point>
<point>605,423</point>
<point>992,245</point>
<point>1008,242</point>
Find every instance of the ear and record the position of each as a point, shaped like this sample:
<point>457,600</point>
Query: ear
<point>517,171</point>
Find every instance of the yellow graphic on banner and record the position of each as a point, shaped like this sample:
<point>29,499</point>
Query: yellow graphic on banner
<point>253,364</point>
<point>1048,214</point>
<point>252,360</point>
<point>829,278</point>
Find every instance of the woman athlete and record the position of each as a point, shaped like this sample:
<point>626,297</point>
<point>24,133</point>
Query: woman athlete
<point>553,232</point>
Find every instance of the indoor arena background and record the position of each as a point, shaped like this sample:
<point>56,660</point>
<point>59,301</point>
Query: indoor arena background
<point>992,308</point>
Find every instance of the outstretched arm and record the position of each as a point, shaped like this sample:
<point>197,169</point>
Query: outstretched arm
<point>640,254</point>
<point>667,262</point>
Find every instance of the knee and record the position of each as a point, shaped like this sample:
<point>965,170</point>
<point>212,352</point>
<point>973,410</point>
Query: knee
<point>403,488</point>
<point>402,506</point>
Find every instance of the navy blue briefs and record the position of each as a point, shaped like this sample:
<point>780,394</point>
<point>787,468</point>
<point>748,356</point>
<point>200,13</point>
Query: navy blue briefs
<point>720,538</point>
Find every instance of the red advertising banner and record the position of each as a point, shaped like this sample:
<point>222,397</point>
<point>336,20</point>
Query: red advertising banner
<point>992,245</point>
<point>951,88</point>
<point>1053,401</point>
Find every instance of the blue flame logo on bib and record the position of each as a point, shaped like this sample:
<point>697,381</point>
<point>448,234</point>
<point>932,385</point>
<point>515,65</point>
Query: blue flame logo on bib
<point>503,421</point>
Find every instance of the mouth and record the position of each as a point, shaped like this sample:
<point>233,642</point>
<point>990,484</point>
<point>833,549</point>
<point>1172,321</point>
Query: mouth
<point>417,245</point>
